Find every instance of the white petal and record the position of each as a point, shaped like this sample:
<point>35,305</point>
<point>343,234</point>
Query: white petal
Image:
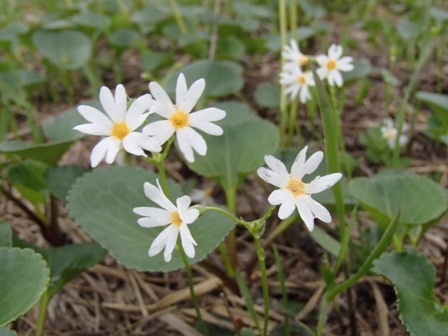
<point>331,77</point>
<point>276,165</point>
<point>181,90</point>
<point>335,51</point>
<point>145,142</point>
<point>184,145</point>
<point>138,107</point>
<point>131,144</point>
<point>112,151</point>
<point>271,177</point>
<point>344,64</point>
<point>157,196</point>
<point>322,60</point>
<point>299,164</point>
<point>196,140</point>
<point>153,217</point>
<point>163,105</point>
<point>99,152</point>
<point>305,212</point>
<point>94,129</point>
<point>189,216</point>
<point>279,196</point>
<point>193,95</point>
<point>138,121</point>
<point>208,114</point>
<point>187,241</point>
<point>322,73</point>
<point>311,164</point>
<point>304,94</point>
<point>121,101</point>
<point>183,203</point>
<point>286,209</point>
<point>159,243</point>
<point>338,78</point>
<point>162,130</point>
<point>94,115</point>
<point>323,183</point>
<point>170,244</point>
<point>207,127</point>
<point>108,103</point>
<point>318,210</point>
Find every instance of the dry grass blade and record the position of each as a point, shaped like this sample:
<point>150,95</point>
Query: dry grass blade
<point>381,310</point>
<point>312,303</point>
<point>179,325</point>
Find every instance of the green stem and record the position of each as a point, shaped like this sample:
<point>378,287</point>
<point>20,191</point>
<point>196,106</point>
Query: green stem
<point>230,193</point>
<point>192,292</point>
<point>283,102</point>
<point>264,280</point>
<point>163,179</point>
<point>43,306</point>
<point>377,251</point>
<point>292,120</point>
<point>178,16</point>
<point>322,316</point>
<point>281,279</point>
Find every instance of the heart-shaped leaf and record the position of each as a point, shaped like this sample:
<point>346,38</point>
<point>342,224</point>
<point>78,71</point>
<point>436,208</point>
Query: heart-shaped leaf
<point>5,235</point>
<point>60,179</point>
<point>361,70</point>
<point>222,78</point>
<point>240,150</point>
<point>418,199</point>
<point>23,279</point>
<point>267,95</point>
<point>69,49</point>
<point>102,202</point>
<point>125,38</point>
<point>414,277</point>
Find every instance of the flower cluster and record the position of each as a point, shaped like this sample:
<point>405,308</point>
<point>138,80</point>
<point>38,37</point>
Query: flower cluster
<point>390,132</point>
<point>298,81</point>
<point>119,124</point>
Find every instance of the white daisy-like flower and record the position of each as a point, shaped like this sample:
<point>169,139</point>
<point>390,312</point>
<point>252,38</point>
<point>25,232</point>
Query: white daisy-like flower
<point>293,56</point>
<point>332,65</point>
<point>176,217</point>
<point>297,82</point>
<point>389,133</point>
<point>118,125</point>
<point>293,192</point>
<point>180,120</point>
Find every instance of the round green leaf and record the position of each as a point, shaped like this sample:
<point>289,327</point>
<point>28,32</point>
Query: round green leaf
<point>267,95</point>
<point>125,38</point>
<point>414,277</point>
<point>419,199</point>
<point>221,78</point>
<point>361,70</point>
<point>241,149</point>
<point>5,235</point>
<point>69,49</point>
<point>92,20</point>
<point>7,332</point>
<point>23,279</point>
<point>60,179</point>
<point>102,202</point>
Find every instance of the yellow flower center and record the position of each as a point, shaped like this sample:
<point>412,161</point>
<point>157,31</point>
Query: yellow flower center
<point>120,130</point>
<point>296,186</point>
<point>390,134</point>
<point>331,64</point>
<point>175,218</point>
<point>179,120</point>
<point>301,79</point>
<point>303,60</point>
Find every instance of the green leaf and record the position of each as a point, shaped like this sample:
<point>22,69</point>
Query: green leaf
<point>69,49</point>
<point>240,150</point>
<point>125,38</point>
<point>438,103</point>
<point>66,262</point>
<point>222,78</point>
<point>407,29</point>
<point>92,20</point>
<point>60,128</point>
<point>102,202</point>
<point>60,179</point>
<point>23,279</point>
<point>28,177</point>
<point>267,95</point>
<point>21,78</point>
<point>153,60</point>
<point>326,241</point>
<point>419,199</point>
<point>414,278</point>
<point>230,48</point>
<point>7,332</point>
<point>361,70</point>
<point>5,235</point>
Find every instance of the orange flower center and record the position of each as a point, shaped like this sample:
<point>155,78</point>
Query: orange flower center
<point>175,219</point>
<point>331,64</point>
<point>120,130</point>
<point>296,186</point>
<point>301,79</point>
<point>179,120</point>
<point>303,60</point>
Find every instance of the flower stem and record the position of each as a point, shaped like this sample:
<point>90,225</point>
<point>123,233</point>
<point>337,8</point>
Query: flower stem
<point>178,16</point>
<point>230,192</point>
<point>194,300</point>
<point>43,306</point>
<point>283,102</point>
<point>264,280</point>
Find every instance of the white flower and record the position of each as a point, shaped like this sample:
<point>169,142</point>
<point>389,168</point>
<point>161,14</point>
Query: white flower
<point>295,193</point>
<point>331,65</point>
<point>293,56</point>
<point>117,125</point>
<point>177,218</point>
<point>202,196</point>
<point>297,82</point>
<point>389,133</point>
<point>179,120</point>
